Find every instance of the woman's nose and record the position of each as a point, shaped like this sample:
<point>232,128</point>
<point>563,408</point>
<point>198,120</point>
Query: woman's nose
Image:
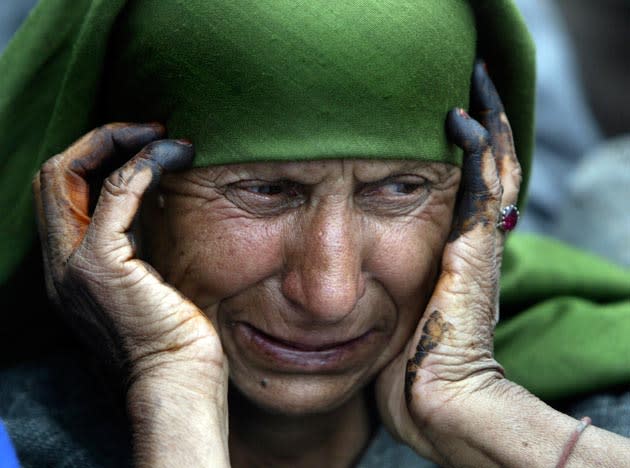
<point>323,275</point>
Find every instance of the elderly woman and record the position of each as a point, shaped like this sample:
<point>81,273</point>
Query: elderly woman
<point>311,235</point>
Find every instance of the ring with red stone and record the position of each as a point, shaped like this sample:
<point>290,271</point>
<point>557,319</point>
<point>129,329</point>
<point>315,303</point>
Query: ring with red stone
<point>509,218</point>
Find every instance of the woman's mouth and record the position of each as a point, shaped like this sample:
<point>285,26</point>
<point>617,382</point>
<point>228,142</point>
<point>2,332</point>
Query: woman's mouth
<point>307,355</point>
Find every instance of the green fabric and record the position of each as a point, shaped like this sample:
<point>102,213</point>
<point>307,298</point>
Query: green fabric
<point>50,74</point>
<point>285,80</point>
<point>255,80</point>
<point>274,80</point>
<point>566,318</point>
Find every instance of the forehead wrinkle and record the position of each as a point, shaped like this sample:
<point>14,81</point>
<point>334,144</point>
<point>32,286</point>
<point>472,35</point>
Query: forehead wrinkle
<point>312,172</point>
<point>369,172</point>
<point>356,168</point>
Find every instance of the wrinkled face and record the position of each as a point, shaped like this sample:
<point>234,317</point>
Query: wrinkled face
<point>314,273</point>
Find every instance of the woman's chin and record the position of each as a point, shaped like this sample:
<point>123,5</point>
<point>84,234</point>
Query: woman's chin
<point>298,395</point>
<point>299,379</point>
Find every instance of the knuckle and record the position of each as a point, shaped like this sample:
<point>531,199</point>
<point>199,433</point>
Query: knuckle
<point>112,126</point>
<point>107,130</point>
<point>483,137</point>
<point>495,191</point>
<point>467,132</point>
<point>101,136</point>
<point>51,167</point>
<point>517,174</point>
<point>117,184</point>
<point>478,140</point>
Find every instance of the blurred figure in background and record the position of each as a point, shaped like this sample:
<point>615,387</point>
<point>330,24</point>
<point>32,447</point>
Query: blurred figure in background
<point>565,127</point>
<point>599,187</point>
<point>581,176</point>
<point>601,34</point>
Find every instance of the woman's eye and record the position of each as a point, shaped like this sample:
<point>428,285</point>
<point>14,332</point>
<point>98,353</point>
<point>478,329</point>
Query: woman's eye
<point>266,198</point>
<point>287,189</point>
<point>401,188</point>
<point>395,187</point>
<point>394,196</point>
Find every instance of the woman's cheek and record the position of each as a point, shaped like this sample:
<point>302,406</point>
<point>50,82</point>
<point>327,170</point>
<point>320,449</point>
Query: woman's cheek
<point>217,255</point>
<point>404,259</point>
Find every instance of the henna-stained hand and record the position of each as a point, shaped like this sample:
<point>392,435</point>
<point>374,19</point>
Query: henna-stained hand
<point>117,304</point>
<point>450,358</point>
<point>171,359</point>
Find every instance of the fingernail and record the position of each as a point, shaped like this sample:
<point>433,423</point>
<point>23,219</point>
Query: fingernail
<point>463,113</point>
<point>184,141</point>
<point>171,155</point>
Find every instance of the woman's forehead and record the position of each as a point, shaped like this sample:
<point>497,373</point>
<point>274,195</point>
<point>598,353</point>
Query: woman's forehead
<point>311,171</point>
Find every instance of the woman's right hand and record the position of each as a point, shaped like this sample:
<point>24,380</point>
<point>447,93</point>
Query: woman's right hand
<point>167,349</point>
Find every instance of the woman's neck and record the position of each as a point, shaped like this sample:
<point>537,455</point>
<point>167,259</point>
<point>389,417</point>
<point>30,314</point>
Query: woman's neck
<point>335,439</point>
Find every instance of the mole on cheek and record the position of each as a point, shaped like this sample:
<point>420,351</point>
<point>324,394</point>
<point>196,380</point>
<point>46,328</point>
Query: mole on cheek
<point>263,383</point>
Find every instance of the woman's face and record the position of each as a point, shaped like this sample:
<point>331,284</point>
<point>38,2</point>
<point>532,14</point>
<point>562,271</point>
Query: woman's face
<point>314,273</point>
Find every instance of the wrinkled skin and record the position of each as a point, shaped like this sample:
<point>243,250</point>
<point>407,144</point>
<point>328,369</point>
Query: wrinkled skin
<point>343,249</point>
<point>449,360</point>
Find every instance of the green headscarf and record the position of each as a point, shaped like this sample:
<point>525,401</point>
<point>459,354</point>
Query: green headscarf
<point>268,80</point>
<point>273,80</point>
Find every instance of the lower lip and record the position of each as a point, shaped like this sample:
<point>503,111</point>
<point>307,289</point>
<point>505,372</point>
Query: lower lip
<point>283,357</point>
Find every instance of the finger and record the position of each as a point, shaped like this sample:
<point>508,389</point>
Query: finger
<point>480,191</point>
<point>461,311</point>
<point>155,315</point>
<point>487,107</point>
<point>469,263</point>
<point>122,193</point>
<point>64,183</point>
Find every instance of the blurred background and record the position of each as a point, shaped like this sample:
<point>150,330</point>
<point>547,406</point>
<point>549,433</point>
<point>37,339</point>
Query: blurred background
<point>580,187</point>
<point>581,183</point>
<point>600,32</point>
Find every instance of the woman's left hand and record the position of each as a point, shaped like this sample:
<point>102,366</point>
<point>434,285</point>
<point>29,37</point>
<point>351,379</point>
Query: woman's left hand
<point>448,366</point>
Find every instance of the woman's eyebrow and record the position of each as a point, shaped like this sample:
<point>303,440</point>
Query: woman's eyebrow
<point>309,172</point>
<point>396,168</point>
